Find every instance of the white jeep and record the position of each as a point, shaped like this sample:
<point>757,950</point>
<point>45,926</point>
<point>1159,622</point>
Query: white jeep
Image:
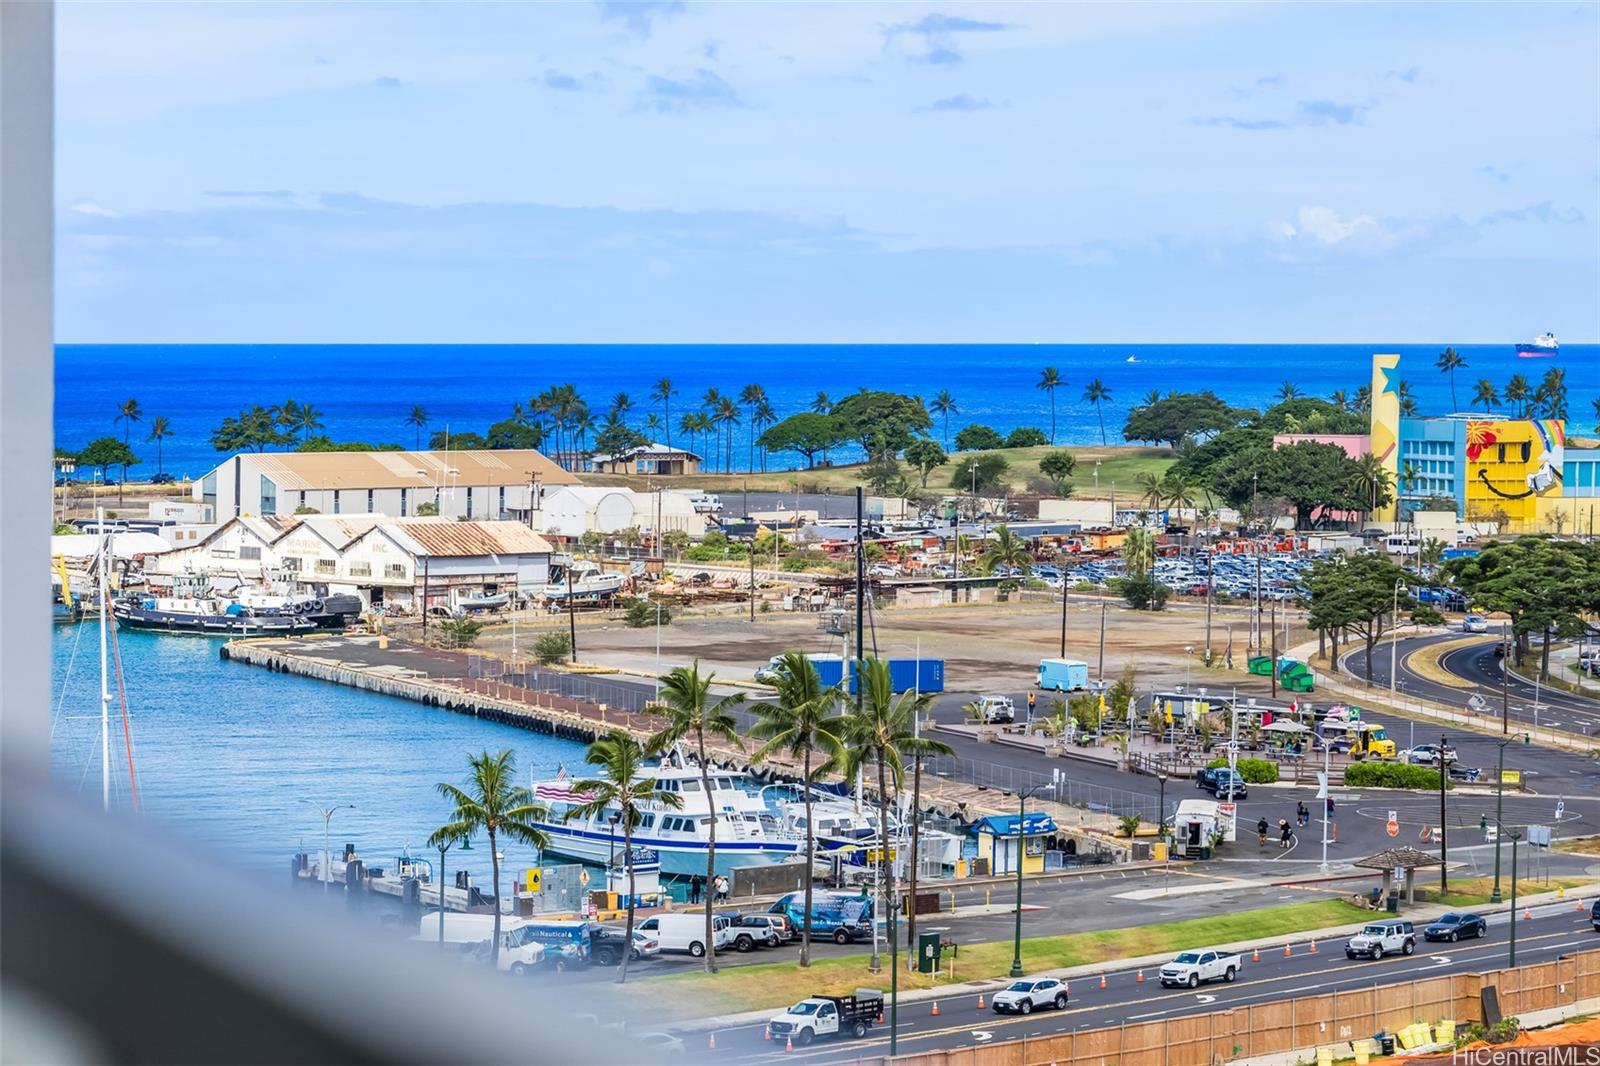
<point>1378,939</point>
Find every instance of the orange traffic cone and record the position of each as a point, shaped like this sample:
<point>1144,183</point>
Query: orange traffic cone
<point>766,1034</point>
<point>1286,951</point>
<point>1102,980</point>
<point>935,1008</point>
<point>1140,978</point>
<point>980,1000</point>
<point>1255,956</point>
<point>1313,947</point>
<point>1579,907</point>
<point>788,1043</point>
<point>713,1043</point>
<point>880,1017</point>
<point>1527,914</point>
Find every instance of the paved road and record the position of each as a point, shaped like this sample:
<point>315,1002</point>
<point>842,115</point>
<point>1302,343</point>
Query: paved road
<point>1478,665</point>
<point>1555,929</point>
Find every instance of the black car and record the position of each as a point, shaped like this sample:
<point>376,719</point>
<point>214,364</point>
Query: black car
<point>1455,927</point>
<point>163,479</point>
<point>1594,914</point>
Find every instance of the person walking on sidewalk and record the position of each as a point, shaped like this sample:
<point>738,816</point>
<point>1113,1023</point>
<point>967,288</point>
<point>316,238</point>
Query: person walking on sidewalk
<point>1285,833</point>
<point>1302,814</point>
<point>1261,831</point>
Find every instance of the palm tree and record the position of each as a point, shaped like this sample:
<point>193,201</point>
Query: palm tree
<point>821,404</point>
<point>1150,489</point>
<point>1485,394</point>
<point>621,789</point>
<point>689,424</point>
<point>881,729</point>
<point>418,420</point>
<point>308,418</point>
<point>1448,363</point>
<point>802,724</point>
<point>1551,396</point>
<point>1139,550</point>
<point>1372,480</point>
<point>1340,399</point>
<point>1151,397</point>
<point>496,804</point>
<point>1096,393</point>
<point>1176,492</point>
<point>752,396</point>
<point>763,417</point>
<point>128,413</point>
<point>621,404</point>
<point>1287,391</point>
<point>727,414</point>
<point>1410,474</point>
<point>1408,402</point>
<point>1596,403</point>
<point>691,715</point>
<point>652,424</point>
<point>160,430</point>
<point>1518,392</point>
<point>662,393</point>
<point>1050,380</point>
<point>943,404</point>
<point>1008,549</point>
<point>1363,400</point>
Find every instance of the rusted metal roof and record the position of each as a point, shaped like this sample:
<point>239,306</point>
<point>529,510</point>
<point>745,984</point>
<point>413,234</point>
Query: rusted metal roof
<point>442,537</point>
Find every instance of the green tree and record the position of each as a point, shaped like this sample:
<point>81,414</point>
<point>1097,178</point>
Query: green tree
<point>509,434</point>
<point>552,647</point>
<point>1144,593</point>
<point>802,724</point>
<point>1485,395</point>
<point>160,430</point>
<point>1288,391</point>
<point>983,472</point>
<point>882,420</point>
<point>1050,380</point>
<point>428,509</point>
<point>1171,418</point>
<point>663,392</point>
<point>418,421</point>
<point>820,404</point>
<point>1097,394</point>
<point>624,788</point>
<point>977,438</point>
<point>753,397</point>
<point>128,413</point>
<point>1006,549</point>
<point>459,632</point>
<point>1149,485</point>
<point>727,415</point>
<point>494,803</point>
<point>1449,362</point>
<point>1551,395</point>
<point>253,429</point>
<point>106,452</point>
<point>807,433</point>
<point>617,440</point>
<point>1520,393</point>
<point>881,731</point>
<point>944,405</point>
<point>691,715</point>
<point>882,473</point>
<point>1545,585</point>
<point>457,440</point>
<point>1058,466</point>
<point>1026,437</point>
<point>1371,482</point>
<point>1356,592</point>
<point>1139,550</point>
<point>926,455</point>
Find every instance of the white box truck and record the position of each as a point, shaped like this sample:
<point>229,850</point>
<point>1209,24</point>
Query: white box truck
<point>1063,675</point>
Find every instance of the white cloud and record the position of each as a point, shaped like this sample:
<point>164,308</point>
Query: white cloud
<point>89,207</point>
<point>1325,226</point>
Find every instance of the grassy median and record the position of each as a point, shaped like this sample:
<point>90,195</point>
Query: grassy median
<point>741,988</point>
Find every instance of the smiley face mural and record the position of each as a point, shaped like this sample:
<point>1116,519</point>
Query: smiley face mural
<point>1511,464</point>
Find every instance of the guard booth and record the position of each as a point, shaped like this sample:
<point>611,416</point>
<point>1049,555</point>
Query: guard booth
<point>1005,840</point>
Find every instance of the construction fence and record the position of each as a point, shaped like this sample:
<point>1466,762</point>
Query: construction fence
<point>1329,1020</point>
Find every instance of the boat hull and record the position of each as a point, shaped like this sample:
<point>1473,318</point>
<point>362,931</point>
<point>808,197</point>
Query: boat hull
<point>679,858</point>
<point>211,625</point>
<point>1534,351</point>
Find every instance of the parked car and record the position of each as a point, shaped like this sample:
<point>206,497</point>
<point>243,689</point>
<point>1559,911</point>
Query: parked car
<point>996,710</point>
<point>1222,783</point>
<point>163,478</point>
<point>684,932</point>
<point>1378,939</point>
<point>942,570</point>
<point>842,916</point>
<point>828,1016</point>
<point>1023,997</point>
<point>754,930</point>
<point>1475,623</point>
<point>1428,755</point>
<point>1191,968</point>
<point>1455,927</point>
<point>883,570</point>
<point>663,1045</point>
<point>606,947</point>
<point>1594,914</point>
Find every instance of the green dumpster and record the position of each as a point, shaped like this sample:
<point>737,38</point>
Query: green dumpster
<point>1261,665</point>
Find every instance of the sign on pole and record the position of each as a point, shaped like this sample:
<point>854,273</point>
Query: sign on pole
<point>1322,785</point>
<point>1394,823</point>
<point>1561,808</point>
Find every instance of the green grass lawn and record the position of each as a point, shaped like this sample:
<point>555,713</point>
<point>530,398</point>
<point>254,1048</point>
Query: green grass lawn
<point>741,988</point>
<point>1119,465</point>
<point>1475,891</point>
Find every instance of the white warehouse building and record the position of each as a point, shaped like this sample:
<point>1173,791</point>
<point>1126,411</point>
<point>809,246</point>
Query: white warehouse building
<point>572,511</point>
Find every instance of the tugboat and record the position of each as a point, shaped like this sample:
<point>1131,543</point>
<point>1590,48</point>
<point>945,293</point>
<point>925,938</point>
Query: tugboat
<point>1542,346</point>
<point>206,616</point>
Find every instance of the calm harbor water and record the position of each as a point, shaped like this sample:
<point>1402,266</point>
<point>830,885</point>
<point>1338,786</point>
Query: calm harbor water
<point>365,392</point>
<point>235,757</point>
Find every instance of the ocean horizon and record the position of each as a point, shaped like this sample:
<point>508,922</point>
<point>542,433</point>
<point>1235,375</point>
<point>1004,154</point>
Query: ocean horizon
<point>365,391</point>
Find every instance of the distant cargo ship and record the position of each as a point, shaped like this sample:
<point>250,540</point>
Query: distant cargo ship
<point>1542,345</point>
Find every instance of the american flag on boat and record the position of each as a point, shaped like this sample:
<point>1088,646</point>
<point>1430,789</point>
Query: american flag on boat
<point>559,790</point>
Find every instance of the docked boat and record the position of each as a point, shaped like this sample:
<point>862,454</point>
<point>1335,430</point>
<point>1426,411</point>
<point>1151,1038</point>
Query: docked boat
<point>1545,344</point>
<point>206,617</point>
<point>586,581</point>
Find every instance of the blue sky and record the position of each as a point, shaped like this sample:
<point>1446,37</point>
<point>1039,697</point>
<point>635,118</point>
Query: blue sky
<point>682,172</point>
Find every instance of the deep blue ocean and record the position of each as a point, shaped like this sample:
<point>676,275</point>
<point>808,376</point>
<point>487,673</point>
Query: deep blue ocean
<point>365,392</point>
<point>239,759</point>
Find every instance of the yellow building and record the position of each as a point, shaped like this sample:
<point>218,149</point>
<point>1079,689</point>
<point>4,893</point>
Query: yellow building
<point>1000,842</point>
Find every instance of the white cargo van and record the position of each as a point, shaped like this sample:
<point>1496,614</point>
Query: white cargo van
<point>520,950</point>
<point>686,932</point>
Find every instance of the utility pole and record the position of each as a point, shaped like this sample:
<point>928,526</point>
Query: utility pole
<point>753,574</point>
<point>1505,682</point>
<point>1444,830</point>
<point>1063,615</point>
<point>1208,608</point>
<point>572,615</point>
<point>1102,667</point>
<point>1274,649</point>
<point>1256,643</point>
<point>1499,812</point>
<point>424,599</point>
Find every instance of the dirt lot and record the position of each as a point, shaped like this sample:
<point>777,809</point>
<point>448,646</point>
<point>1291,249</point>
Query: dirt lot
<point>984,646</point>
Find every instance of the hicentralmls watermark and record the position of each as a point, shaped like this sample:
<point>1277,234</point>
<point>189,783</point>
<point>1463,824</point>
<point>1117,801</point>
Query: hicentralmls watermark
<point>1551,1055</point>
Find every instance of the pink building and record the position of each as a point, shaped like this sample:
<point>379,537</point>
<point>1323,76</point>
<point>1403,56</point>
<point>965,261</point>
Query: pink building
<point>1355,445</point>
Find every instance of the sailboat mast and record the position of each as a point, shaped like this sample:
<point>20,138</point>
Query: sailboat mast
<point>105,687</point>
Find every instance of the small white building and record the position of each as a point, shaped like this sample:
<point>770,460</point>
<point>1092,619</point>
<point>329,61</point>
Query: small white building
<point>572,511</point>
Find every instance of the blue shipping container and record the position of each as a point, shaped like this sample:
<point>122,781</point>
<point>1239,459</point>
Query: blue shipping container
<point>905,675</point>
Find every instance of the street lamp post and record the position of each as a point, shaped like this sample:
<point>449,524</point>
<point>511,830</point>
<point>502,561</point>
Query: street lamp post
<point>1511,953</point>
<point>1499,811</point>
<point>1022,817</point>
<point>1444,829</point>
<point>327,816</point>
<point>1394,636</point>
<point>444,846</point>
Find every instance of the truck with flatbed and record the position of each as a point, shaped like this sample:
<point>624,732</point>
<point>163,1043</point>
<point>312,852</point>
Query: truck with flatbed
<point>1191,969</point>
<point>816,1016</point>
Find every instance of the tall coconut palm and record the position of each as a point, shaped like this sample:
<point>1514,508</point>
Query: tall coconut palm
<point>727,414</point>
<point>1152,397</point>
<point>881,731</point>
<point>1363,399</point>
<point>1050,380</point>
<point>1139,550</point>
<point>1596,403</point>
<point>689,425</point>
<point>652,425</point>
<point>1408,402</point>
<point>1551,396</point>
<point>802,724</point>
<point>1007,549</point>
<point>1484,394</point>
<point>305,419</point>
<point>763,417</point>
<point>944,404</point>
<point>623,789</point>
<point>821,404</point>
<point>1372,481</point>
<point>621,404</point>
<point>691,715</point>
<point>1518,392</point>
<point>1096,393</point>
<point>1287,391</point>
<point>1340,399</point>
<point>752,396</point>
<point>418,420</point>
<point>663,392</point>
<point>128,412</point>
<point>160,430</point>
<point>496,804</point>
<point>1449,362</point>
<point>1149,489</point>
<point>1176,492</point>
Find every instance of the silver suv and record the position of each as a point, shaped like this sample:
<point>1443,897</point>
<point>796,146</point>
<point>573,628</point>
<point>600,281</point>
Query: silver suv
<point>1378,939</point>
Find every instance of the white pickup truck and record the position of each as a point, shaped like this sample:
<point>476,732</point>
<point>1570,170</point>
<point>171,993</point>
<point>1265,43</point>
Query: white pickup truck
<point>1191,968</point>
<point>827,1016</point>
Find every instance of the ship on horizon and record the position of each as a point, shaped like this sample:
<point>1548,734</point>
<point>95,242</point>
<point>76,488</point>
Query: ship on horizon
<point>1545,344</point>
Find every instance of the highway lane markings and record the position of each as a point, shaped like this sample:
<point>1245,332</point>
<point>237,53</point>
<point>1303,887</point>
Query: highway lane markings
<point>982,1035</point>
<point>1244,987</point>
<point>1442,960</point>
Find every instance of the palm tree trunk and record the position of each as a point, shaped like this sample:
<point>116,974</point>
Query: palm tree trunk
<point>1101,414</point>
<point>1052,416</point>
<point>161,465</point>
<point>494,861</point>
<point>627,858</point>
<point>711,854</point>
<point>916,833</point>
<point>885,867</point>
<point>811,864</point>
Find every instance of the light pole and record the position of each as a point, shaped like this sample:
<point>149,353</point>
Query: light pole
<point>1499,811</point>
<point>444,846</point>
<point>1161,833</point>
<point>1022,817</point>
<point>1100,671</point>
<point>1511,952</point>
<point>1063,615</point>
<point>327,816</point>
<point>1444,828</point>
<point>1394,636</point>
<point>1188,662</point>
